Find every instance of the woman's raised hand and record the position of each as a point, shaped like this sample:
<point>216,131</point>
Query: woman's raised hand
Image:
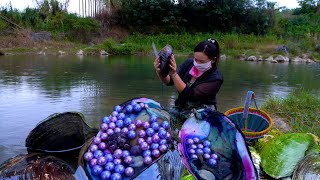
<point>156,65</point>
<point>173,65</point>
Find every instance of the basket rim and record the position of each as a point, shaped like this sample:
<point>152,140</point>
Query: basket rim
<point>252,110</point>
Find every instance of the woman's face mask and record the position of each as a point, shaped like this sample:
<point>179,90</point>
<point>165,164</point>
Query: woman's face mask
<point>202,67</point>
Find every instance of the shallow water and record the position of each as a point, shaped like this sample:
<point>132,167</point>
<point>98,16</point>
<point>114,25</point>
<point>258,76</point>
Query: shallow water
<point>34,87</point>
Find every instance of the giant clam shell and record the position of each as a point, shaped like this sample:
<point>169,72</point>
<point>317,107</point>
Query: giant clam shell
<point>165,55</point>
<point>308,168</point>
<point>152,108</point>
<point>36,166</point>
<point>226,141</point>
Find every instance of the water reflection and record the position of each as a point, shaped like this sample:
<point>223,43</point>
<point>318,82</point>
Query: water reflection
<point>34,87</point>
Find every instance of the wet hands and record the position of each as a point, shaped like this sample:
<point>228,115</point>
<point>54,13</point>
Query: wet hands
<point>156,65</point>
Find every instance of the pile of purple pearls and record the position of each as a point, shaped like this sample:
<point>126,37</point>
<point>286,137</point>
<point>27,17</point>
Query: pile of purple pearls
<point>152,139</point>
<point>201,148</point>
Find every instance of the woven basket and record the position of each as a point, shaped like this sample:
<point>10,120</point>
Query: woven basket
<point>253,122</point>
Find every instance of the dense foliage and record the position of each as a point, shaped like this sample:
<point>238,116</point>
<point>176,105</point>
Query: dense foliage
<point>258,17</point>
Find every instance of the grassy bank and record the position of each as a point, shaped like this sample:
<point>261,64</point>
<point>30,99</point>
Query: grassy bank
<point>301,110</point>
<point>231,44</point>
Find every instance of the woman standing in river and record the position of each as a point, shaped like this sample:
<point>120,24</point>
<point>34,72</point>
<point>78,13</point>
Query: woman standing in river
<point>197,79</point>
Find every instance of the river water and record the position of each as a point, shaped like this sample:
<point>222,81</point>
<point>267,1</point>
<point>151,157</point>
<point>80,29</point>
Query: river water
<point>34,87</point>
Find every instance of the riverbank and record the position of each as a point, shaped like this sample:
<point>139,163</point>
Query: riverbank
<point>299,112</point>
<point>233,46</point>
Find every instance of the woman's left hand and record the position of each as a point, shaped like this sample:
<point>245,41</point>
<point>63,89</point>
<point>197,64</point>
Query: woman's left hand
<point>173,65</point>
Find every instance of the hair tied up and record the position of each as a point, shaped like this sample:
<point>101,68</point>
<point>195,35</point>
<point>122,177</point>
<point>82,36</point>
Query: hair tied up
<point>211,40</point>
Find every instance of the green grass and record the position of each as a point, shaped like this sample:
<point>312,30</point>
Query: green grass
<point>301,110</point>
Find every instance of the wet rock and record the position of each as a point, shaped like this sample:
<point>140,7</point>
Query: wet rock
<point>281,58</point>
<point>223,57</point>
<point>1,53</point>
<point>251,58</point>
<point>279,123</point>
<point>270,58</point>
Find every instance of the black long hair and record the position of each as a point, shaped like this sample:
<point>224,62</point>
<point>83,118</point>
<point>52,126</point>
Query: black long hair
<point>210,48</point>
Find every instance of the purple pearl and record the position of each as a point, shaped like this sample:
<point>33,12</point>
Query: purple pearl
<point>155,138</point>
<point>199,151</point>
<point>109,166</point>
<point>117,153</point>
<point>119,169</point>
<point>153,118</point>
<point>206,143</point>
<point>193,146</point>
<point>140,140</point>
<point>96,170</point>
<point>149,140</point>
<point>163,142</point>
<point>155,153</point>
<point>117,130</point>
<point>200,146</point>
<point>154,146</point>
<point>146,125</point>
<point>191,151</point>
<point>162,133</point>
<point>155,126</point>
<point>206,156</point>
<point>129,171</point>
<point>104,126</point>
<point>165,124</point>
<point>137,108</point>
<point>102,161</point>
<point>196,140</point>
<point>163,148</point>
<point>127,121</point>
<point>214,156</point>
<point>132,127</point>
<point>97,154</point>
<point>125,153</point>
<point>105,175</point>
<point>193,156</point>
<point>144,146</point>
<point>212,162</point>
<point>93,162</point>
<point>119,123</point>
<point>116,176</point>
<point>106,151</point>
<point>96,140</point>
<point>207,150</point>
<point>125,130</point>
<point>131,134</point>
<point>113,119</point>
<point>129,109</point>
<point>109,157</point>
<point>150,132</point>
<point>106,120</point>
<point>138,123</point>
<point>147,160</point>
<point>104,136</point>
<point>117,108</point>
<point>114,113</point>
<point>102,146</point>
<point>189,141</point>
<point>117,161</point>
<point>146,153</point>
<point>112,125</point>
<point>110,132</point>
<point>142,133</point>
<point>88,156</point>
<point>128,160</point>
<point>121,116</point>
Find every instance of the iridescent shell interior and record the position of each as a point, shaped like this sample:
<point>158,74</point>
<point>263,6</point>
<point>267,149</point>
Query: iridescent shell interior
<point>212,147</point>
